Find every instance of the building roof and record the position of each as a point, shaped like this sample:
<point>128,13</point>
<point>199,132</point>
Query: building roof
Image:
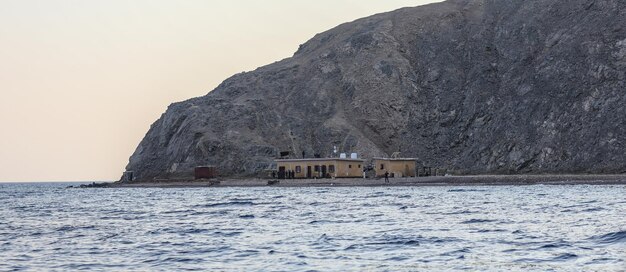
<point>396,159</point>
<point>319,159</point>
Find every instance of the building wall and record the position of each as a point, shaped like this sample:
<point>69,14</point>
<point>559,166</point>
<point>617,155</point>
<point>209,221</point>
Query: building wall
<point>349,169</point>
<point>342,169</point>
<point>404,168</point>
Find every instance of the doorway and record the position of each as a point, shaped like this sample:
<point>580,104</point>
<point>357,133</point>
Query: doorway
<point>281,172</point>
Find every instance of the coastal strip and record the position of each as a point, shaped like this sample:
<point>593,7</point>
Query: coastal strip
<point>481,180</point>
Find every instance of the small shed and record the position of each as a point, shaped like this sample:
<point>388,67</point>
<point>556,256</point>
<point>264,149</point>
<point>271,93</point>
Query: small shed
<point>205,172</point>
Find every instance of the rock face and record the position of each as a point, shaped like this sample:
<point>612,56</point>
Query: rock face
<point>473,86</point>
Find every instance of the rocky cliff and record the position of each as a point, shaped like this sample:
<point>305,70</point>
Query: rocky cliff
<point>474,86</point>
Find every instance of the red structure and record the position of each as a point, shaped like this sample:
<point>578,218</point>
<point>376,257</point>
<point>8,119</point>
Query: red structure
<point>205,172</point>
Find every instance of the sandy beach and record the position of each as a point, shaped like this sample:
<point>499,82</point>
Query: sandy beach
<point>483,180</point>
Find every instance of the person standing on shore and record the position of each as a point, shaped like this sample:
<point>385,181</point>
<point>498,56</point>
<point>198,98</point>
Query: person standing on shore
<point>386,177</point>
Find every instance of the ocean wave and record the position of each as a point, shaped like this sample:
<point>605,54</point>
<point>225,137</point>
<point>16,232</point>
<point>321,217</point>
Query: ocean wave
<point>477,221</point>
<point>460,212</point>
<point>404,242</point>
<point>555,245</point>
<point>227,233</point>
<point>323,221</point>
<point>456,252</point>
<point>398,258</point>
<point>559,258</point>
<point>68,228</point>
<point>465,190</point>
<point>230,203</point>
<point>490,230</point>
<point>565,257</point>
<point>596,209</point>
<point>178,211</point>
<point>611,238</point>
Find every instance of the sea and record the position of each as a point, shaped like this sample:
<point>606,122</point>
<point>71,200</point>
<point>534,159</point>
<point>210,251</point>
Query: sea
<point>49,227</point>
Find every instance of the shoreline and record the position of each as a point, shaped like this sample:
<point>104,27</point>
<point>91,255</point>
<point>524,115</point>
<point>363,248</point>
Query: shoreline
<point>478,180</point>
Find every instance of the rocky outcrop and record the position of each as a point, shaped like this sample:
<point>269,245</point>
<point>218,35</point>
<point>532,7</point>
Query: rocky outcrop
<point>477,87</point>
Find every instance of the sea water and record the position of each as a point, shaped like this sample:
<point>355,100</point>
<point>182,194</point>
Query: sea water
<point>503,228</point>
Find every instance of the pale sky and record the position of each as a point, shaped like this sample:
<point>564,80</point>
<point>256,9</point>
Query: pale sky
<point>82,80</point>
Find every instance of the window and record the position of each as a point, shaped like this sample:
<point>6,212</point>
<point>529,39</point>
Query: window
<point>382,166</point>
<point>349,165</point>
<point>331,169</point>
<point>359,166</point>
<point>298,169</point>
<point>317,168</point>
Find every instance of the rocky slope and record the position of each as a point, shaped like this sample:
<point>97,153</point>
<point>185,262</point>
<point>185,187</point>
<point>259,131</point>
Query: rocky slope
<point>474,86</point>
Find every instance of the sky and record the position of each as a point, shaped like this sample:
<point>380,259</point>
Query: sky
<point>81,81</point>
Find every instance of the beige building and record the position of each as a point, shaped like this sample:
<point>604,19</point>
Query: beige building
<point>396,167</point>
<point>320,168</point>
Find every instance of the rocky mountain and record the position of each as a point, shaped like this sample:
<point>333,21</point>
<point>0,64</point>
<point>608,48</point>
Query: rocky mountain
<point>473,86</point>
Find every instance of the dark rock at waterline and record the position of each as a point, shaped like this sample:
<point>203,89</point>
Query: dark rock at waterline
<point>476,87</point>
<point>92,185</point>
